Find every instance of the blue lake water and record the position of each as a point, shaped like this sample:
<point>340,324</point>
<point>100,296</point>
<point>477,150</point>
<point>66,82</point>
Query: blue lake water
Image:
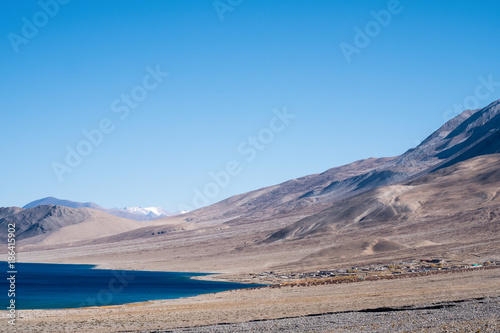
<point>57,286</point>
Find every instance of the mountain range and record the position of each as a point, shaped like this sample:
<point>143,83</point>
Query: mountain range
<point>441,197</point>
<point>134,213</point>
<point>42,223</point>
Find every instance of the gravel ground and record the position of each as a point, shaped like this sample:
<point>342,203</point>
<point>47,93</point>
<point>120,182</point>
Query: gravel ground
<point>480,315</point>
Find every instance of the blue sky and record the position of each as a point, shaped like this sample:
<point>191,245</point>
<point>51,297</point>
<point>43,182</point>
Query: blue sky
<point>232,66</point>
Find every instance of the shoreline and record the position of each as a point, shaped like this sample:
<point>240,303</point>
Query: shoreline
<point>196,276</point>
<point>292,284</point>
<point>246,305</point>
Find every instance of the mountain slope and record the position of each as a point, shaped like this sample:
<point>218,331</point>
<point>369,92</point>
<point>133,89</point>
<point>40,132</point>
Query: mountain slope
<point>457,194</point>
<point>470,134</point>
<point>42,220</point>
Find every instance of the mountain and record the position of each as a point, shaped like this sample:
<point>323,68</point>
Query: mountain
<point>451,213</point>
<point>150,212</point>
<point>470,134</point>
<point>58,224</point>
<point>5,211</point>
<point>439,199</point>
<point>449,195</point>
<point>134,213</point>
<point>59,202</point>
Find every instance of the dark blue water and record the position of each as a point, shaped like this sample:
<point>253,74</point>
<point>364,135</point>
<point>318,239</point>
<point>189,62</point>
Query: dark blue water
<point>56,286</point>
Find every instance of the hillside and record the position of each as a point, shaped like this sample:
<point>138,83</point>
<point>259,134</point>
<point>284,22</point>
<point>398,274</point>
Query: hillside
<point>470,134</point>
<point>452,193</point>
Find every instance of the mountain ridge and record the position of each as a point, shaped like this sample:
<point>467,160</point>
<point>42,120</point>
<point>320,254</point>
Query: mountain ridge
<point>301,201</point>
<point>471,133</point>
<point>140,214</point>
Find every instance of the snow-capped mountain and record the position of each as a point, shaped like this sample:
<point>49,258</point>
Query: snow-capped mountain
<point>151,212</point>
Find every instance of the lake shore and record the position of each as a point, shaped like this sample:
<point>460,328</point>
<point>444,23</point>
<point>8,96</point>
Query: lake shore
<point>242,306</point>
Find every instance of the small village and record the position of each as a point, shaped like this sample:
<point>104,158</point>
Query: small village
<point>371,272</point>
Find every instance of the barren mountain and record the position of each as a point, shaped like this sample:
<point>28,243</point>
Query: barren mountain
<point>470,134</point>
<point>4,211</point>
<point>462,193</point>
<point>451,213</point>
<point>422,203</point>
<point>57,224</point>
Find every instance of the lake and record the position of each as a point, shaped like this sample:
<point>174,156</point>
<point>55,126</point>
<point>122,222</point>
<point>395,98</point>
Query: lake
<point>58,286</point>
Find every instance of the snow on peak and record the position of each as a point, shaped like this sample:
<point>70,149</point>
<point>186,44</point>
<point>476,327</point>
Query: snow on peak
<point>148,211</point>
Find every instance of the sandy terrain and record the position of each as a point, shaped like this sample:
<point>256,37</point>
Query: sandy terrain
<point>265,303</point>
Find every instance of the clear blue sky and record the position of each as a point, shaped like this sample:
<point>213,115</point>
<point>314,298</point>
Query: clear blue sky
<point>225,78</point>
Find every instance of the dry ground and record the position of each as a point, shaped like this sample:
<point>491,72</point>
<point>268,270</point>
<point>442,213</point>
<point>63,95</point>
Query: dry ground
<point>265,303</point>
